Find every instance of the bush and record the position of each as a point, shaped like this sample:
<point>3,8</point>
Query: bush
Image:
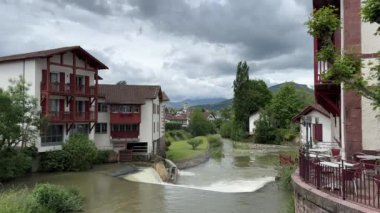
<point>82,152</point>
<point>284,174</point>
<point>216,146</point>
<point>195,142</point>
<point>173,126</point>
<point>30,151</point>
<point>14,164</point>
<point>55,161</point>
<point>199,125</point>
<point>57,198</point>
<point>19,201</point>
<point>103,156</point>
<point>237,132</point>
<point>226,129</point>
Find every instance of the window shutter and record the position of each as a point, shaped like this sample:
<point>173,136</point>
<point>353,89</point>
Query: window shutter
<point>62,81</point>
<point>318,134</point>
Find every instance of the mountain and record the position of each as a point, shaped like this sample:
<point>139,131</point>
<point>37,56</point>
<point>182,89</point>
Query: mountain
<point>195,102</point>
<point>307,93</point>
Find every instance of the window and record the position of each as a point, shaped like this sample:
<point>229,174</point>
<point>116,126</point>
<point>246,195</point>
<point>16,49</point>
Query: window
<point>80,107</point>
<point>101,128</point>
<point>135,127</point>
<point>81,128</point>
<point>54,77</point>
<point>52,136</point>
<point>125,127</point>
<point>158,127</point>
<point>136,109</point>
<point>80,81</point>
<point>158,109</point>
<point>53,105</point>
<point>154,127</point>
<point>154,108</point>
<point>102,107</point>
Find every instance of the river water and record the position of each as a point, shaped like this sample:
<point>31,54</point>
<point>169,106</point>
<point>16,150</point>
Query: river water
<point>239,182</point>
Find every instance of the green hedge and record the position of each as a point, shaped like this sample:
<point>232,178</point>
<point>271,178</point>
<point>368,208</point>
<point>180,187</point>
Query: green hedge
<point>14,164</point>
<point>173,126</point>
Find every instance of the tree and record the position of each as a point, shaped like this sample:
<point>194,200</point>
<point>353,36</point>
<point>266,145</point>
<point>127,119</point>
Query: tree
<point>82,152</point>
<point>265,133</point>
<point>250,98</point>
<point>199,125</point>
<point>195,142</point>
<point>285,105</point>
<point>121,83</point>
<point>20,120</point>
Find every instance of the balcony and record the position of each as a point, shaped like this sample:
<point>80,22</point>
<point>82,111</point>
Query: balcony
<point>122,118</point>
<point>121,135</point>
<point>57,88</point>
<point>66,117</point>
<point>85,91</point>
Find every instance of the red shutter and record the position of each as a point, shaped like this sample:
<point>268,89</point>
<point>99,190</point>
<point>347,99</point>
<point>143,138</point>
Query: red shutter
<point>43,108</point>
<point>62,81</point>
<point>72,82</point>
<point>317,129</point>
<point>61,108</point>
<point>86,106</point>
<point>44,74</point>
<point>87,84</point>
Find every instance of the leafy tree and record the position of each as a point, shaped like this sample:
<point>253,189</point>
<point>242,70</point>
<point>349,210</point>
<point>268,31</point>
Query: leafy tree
<point>121,83</point>
<point>285,105</point>
<point>20,121</point>
<point>195,142</point>
<point>249,96</point>
<point>199,125</point>
<point>265,133</point>
<point>82,152</point>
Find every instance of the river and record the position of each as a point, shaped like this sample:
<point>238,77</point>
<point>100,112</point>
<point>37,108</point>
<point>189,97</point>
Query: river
<point>239,182</point>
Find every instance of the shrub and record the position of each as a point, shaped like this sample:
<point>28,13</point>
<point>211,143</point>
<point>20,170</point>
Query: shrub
<point>14,164</point>
<point>30,151</point>
<point>55,161</point>
<point>57,198</point>
<point>173,126</point>
<point>82,152</point>
<point>199,125</point>
<point>237,132</point>
<point>226,129</point>
<point>284,174</point>
<point>19,201</point>
<point>103,156</point>
<point>195,142</point>
<point>216,146</point>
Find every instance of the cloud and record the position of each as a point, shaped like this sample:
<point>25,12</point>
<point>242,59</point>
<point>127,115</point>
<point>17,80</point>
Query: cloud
<point>190,47</point>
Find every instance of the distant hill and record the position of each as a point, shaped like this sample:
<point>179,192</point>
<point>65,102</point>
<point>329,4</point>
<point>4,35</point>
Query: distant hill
<point>195,102</point>
<point>308,93</point>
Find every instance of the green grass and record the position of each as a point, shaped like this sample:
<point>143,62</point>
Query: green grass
<point>181,150</point>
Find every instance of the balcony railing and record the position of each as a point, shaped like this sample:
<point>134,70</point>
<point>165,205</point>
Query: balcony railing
<point>354,182</point>
<point>65,89</point>
<point>121,135</point>
<point>64,117</point>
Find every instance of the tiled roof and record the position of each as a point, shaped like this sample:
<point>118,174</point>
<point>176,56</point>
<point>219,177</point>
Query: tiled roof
<point>128,94</point>
<point>310,108</point>
<point>165,97</point>
<point>81,53</point>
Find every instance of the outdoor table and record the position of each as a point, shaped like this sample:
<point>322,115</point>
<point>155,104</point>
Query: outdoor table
<point>312,155</point>
<point>319,150</point>
<point>368,157</point>
<point>336,184</point>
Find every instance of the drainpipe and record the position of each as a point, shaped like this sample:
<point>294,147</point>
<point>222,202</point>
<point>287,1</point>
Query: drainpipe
<point>342,111</point>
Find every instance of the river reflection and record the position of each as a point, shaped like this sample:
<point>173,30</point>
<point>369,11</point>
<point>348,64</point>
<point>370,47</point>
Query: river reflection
<point>200,189</point>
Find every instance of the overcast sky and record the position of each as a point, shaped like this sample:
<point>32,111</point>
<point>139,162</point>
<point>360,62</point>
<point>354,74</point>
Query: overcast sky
<point>189,47</point>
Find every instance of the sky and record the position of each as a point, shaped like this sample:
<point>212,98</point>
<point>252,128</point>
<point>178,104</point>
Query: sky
<point>189,47</point>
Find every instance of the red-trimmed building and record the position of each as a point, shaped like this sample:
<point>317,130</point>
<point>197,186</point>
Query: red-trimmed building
<point>132,118</point>
<point>352,114</point>
<point>65,82</point>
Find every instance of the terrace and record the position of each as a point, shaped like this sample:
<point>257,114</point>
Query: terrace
<point>356,181</point>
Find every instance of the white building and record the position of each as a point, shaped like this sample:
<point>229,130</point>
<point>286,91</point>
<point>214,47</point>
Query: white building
<point>131,117</point>
<point>65,83</point>
<point>252,122</point>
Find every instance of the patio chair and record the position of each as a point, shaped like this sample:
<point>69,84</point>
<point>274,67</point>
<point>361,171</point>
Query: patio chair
<point>376,179</point>
<point>335,154</point>
<point>369,166</point>
<point>351,175</point>
<point>355,156</point>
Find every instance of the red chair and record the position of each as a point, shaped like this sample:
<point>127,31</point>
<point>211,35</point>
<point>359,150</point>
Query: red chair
<point>369,165</point>
<point>376,179</point>
<point>352,175</point>
<point>335,153</point>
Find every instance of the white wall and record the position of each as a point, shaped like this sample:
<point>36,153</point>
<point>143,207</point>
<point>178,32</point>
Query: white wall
<point>103,141</point>
<point>370,126</point>
<point>146,125</point>
<point>326,127</point>
<point>252,119</point>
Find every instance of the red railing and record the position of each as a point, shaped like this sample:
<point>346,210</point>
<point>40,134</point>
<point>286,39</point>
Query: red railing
<point>57,88</point>
<point>132,134</point>
<point>62,117</point>
<point>354,183</point>
<point>85,91</point>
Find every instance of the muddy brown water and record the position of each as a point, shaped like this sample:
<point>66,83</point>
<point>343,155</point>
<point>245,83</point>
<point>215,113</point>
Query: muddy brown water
<point>241,182</point>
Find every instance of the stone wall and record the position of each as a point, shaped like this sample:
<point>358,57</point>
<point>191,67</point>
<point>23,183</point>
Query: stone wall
<point>309,199</point>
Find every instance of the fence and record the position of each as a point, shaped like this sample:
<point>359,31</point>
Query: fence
<point>348,181</point>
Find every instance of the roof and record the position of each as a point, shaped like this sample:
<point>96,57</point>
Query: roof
<point>128,94</point>
<point>81,53</point>
<point>180,117</point>
<point>165,97</point>
<point>310,108</point>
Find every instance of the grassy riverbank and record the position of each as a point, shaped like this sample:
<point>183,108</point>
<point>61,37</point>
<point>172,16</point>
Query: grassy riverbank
<point>181,150</point>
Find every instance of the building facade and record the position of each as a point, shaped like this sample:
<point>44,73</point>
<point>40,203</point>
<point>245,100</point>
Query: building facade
<point>65,83</point>
<point>359,125</point>
<point>131,117</point>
